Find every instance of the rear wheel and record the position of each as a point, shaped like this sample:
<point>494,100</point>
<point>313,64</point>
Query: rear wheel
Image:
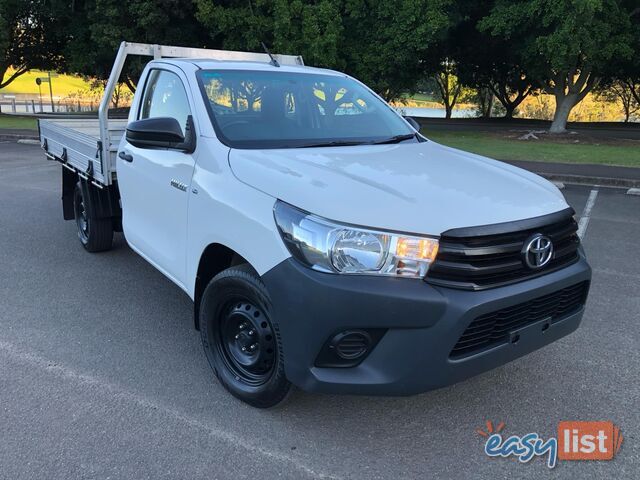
<point>241,340</point>
<point>95,234</point>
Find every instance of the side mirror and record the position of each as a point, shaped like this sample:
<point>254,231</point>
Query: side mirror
<point>413,122</point>
<point>160,132</point>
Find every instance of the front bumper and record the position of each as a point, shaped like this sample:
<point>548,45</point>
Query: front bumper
<point>424,322</point>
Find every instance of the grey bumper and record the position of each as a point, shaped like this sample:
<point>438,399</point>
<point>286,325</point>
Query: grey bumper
<point>422,322</point>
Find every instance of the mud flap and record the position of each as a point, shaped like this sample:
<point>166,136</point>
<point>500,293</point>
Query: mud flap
<point>69,180</point>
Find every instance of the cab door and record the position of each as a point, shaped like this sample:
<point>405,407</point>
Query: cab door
<point>155,183</point>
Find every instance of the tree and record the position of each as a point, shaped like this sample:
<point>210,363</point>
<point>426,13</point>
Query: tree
<point>309,28</point>
<point>568,44</point>
<point>500,70</point>
<point>381,43</point>
<point>95,29</point>
<point>28,37</point>
<point>489,63</point>
<point>386,44</point>
<point>120,94</point>
<point>484,99</point>
<point>620,90</point>
<point>633,86</point>
<point>486,62</point>
<point>449,87</point>
<point>630,74</point>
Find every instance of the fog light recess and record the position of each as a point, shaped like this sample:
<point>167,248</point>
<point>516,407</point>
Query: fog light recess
<point>349,347</point>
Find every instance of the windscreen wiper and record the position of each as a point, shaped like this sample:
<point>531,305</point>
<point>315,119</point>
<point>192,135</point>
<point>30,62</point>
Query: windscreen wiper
<point>395,139</point>
<point>346,143</point>
<point>335,143</point>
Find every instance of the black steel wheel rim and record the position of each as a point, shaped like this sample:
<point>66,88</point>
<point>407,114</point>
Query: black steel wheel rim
<point>82,220</point>
<point>246,342</point>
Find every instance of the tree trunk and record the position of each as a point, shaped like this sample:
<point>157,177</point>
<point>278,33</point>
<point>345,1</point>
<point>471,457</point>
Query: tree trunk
<point>634,88</point>
<point>489,105</point>
<point>510,108</point>
<point>130,84</point>
<point>564,105</point>
<point>507,98</point>
<point>627,111</point>
<point>448,94</point>
<point>569,91</point>
<point>3,70</point>
<point>485,99</point>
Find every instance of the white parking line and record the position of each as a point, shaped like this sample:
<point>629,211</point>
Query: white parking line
<point>583,223</point>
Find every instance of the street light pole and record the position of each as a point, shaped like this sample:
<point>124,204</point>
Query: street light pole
<point>39,82</point>
<point>53,110</point>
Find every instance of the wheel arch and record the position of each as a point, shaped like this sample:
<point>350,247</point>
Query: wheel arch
<point>215,258</point>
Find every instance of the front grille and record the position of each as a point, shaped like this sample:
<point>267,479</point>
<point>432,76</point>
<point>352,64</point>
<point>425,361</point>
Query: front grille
<point>494,328</point>
<point>478,261</point>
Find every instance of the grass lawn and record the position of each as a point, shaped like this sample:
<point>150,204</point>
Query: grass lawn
<point>63,85</point>
<point>422,97</point>
<point>15,121</point>
<point>561,150</point>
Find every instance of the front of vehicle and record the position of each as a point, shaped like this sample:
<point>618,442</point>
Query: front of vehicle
<point>412,265</point>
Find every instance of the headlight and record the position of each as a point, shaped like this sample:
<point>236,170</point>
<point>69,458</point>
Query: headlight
<point>335,248</point>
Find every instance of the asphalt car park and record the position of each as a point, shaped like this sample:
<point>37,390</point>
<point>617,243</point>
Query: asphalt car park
<point>96,388</point>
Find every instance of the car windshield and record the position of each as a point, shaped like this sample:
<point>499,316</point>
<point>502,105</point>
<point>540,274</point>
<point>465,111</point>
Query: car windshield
<point>264,109</point>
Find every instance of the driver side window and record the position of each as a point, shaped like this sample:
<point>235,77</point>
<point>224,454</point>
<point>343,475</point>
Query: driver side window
<point>165,96</point>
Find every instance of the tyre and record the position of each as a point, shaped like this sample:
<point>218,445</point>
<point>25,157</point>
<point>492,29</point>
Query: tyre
<point>95,234</point>
<point>241,340</point>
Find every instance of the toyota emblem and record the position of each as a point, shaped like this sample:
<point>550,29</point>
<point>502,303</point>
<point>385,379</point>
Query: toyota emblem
<point>537,251</point>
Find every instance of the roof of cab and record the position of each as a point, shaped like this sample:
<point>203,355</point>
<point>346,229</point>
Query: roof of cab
<point>208,64</point>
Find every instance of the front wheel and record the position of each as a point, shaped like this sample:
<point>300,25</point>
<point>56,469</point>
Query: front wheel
<point>95,234</point>
<point>241,340</point>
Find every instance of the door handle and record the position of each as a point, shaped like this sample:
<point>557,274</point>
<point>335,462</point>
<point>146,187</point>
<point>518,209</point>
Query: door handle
<point>126,157</point>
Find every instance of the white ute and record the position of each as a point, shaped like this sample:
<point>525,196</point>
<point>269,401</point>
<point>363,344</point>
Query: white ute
<point>324,241</point>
